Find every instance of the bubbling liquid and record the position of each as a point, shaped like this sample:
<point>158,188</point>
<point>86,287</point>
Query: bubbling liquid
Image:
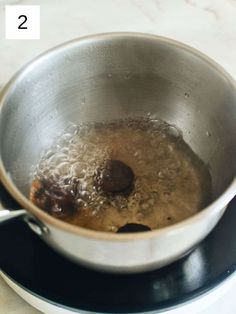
<point>170,183</point>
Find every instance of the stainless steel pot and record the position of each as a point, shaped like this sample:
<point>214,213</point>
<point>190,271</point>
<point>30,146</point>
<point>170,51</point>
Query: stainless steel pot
<point>113,76</point>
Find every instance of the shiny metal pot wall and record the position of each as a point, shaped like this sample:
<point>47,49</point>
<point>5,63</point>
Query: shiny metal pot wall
<point>112,76</point>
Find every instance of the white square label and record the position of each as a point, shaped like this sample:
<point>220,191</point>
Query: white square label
<point>22,21</point>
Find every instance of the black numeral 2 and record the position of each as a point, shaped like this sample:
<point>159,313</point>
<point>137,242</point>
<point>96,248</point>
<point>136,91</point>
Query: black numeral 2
<point>21,25</point>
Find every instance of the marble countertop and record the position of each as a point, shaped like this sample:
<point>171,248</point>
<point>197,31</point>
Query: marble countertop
<point>208,25</point>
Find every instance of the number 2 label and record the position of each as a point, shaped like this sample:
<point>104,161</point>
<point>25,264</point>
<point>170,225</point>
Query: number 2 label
<point>22,21</point>
<point>24,17</point>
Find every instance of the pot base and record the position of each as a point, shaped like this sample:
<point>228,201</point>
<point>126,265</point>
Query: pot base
<point>42,272</point>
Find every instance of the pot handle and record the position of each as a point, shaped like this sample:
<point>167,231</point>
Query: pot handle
<point>6,214</point>
<point>34,224</point>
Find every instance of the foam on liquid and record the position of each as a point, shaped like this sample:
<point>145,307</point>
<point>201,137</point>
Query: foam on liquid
<point>171,182</point>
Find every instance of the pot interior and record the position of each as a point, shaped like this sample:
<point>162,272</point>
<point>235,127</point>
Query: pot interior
<point>118,76</point>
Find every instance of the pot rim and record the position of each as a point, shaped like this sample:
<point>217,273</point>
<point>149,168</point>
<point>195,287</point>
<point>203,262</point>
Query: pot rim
<point>215,206</point>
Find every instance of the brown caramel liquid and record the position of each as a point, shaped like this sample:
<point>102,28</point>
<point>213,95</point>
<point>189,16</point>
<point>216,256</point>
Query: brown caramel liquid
<point>170,182</point>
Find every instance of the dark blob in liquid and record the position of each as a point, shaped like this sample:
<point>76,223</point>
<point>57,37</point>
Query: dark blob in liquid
<point>130,172</point>
<point>115,177</point>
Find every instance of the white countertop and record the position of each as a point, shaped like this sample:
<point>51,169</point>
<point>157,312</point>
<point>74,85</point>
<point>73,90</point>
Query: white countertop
<point>208,25</point>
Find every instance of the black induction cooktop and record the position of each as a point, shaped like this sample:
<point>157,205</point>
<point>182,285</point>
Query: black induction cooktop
<point>33,265</point>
